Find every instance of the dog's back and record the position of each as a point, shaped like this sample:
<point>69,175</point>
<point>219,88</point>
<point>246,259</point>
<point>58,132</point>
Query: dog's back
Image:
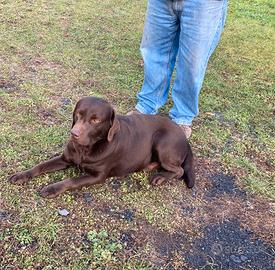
<point>152,138</point>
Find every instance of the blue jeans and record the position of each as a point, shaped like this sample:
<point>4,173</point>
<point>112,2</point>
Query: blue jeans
<point>186,30</point>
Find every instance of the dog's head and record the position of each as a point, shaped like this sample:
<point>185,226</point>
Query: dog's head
<point>94,119</point>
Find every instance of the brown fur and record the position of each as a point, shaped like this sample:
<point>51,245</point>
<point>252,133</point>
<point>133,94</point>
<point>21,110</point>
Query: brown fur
<point>105,144</point>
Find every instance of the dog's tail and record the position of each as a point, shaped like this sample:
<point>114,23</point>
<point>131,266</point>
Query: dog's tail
<point>188,167</point>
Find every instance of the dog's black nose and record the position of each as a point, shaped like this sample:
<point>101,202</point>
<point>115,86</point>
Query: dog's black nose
<point>75,133</point>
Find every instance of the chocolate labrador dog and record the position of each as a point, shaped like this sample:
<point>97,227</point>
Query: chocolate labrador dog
<point>105,145</point>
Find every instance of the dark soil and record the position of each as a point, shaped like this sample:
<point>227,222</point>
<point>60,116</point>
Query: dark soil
<point>223,184</point>
<point>231,242</point>
<point>8,86</point>
<point>226,246</point>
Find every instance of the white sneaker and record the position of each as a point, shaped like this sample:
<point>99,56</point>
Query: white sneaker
<point>187,130</point>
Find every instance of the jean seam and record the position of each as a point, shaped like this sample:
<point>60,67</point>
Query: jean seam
<point>167,72</point>
<point>217,31</point>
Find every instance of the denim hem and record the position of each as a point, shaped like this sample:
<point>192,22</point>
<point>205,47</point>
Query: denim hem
<point>182,122</point>
<point>144,111</point>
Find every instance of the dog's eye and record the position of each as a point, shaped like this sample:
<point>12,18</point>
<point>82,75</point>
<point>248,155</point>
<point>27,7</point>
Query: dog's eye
<point>94,121</point>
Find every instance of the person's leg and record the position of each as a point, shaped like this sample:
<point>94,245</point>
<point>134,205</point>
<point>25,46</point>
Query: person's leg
<point>159,49</point>
<point>201,25</point>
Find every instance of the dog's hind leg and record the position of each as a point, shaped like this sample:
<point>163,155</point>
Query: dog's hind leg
<point>163,176</point>
<point>176,159</point>
<point>170,169</point>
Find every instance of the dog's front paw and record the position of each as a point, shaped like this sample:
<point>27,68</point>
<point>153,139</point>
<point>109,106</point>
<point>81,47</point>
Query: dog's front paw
<point>20,178</point>
<point>50,191</point>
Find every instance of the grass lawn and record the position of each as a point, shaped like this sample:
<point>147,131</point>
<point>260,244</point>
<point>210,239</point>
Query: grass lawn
<point>54,52</point>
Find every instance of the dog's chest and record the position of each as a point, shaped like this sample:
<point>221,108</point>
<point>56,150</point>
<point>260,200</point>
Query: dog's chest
<point>85,162</point>
<point>79,157</point>
<point>87,159</point>
<point>81,161</point>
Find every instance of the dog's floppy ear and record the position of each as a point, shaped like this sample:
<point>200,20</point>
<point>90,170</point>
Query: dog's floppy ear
<point>74,115</point>
<point>114,128</point>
